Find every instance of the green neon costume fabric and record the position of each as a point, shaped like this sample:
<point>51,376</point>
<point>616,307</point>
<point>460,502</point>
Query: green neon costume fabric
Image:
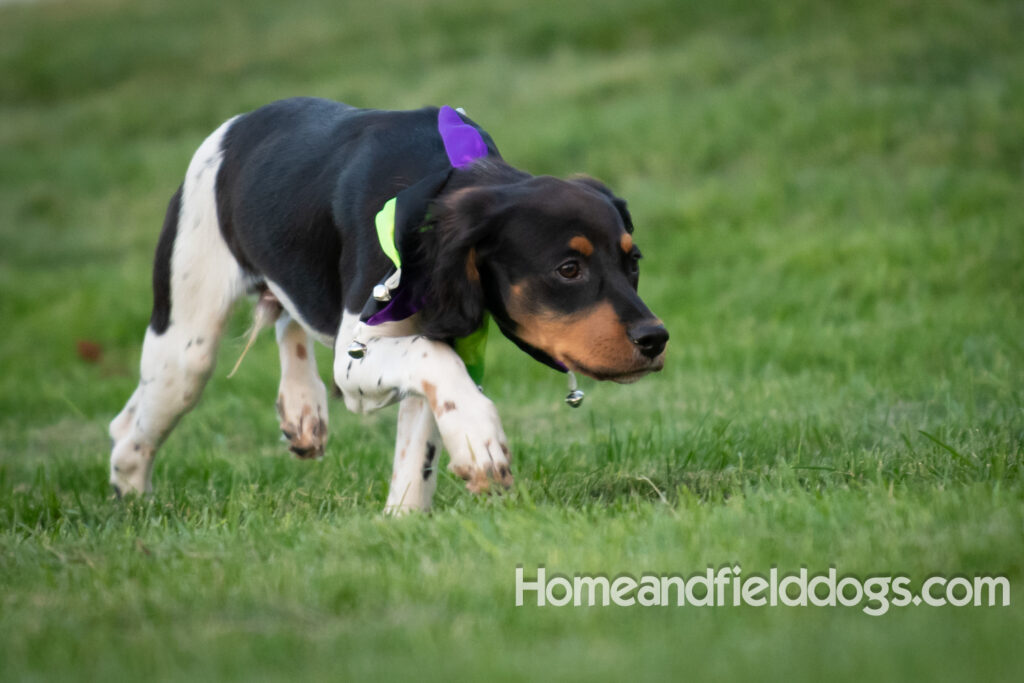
<point>386,231</point>
<point>472,350</point>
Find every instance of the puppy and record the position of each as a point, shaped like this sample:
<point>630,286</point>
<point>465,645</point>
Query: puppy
<point>392,237</point>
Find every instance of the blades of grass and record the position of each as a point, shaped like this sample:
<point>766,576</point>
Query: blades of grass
<point>945,446</point>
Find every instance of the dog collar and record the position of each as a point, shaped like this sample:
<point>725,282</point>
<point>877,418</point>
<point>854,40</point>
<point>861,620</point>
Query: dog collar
<point>401,218</point>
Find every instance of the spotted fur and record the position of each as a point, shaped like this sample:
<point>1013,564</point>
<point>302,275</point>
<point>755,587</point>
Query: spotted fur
<point>280,203</point>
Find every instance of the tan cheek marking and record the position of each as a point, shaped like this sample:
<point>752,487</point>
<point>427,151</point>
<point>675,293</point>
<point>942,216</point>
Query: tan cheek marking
<point>626,242</point>
<point>594,337</point>
<point>516,300</point>
<point>471,272</point>
<point>300,351</point>
<point>582,245</point>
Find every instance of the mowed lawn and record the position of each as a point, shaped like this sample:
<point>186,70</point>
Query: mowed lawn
<point>830,199</point>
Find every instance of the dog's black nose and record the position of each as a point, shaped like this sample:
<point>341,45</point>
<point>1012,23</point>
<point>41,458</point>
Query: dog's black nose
<point>650,339</point>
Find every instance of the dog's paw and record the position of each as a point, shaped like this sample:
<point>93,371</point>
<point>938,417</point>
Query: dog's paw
<point>304,426</point>
<point>476,443</point>
<point>131,468</point>
<point>480,479</point>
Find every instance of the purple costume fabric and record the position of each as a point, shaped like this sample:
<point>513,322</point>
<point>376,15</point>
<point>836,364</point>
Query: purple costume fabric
<point>401,306</point>
<point>462,141</point>
<point>463,144</point>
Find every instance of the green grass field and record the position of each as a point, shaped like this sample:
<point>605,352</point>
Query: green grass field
<point>830,197</point>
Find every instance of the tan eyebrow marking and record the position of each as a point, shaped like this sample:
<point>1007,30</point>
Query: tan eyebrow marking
<point>626,242</point>
<point>582,245</point>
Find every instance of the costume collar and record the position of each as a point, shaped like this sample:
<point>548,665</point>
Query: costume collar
<point>462,142</point>
<point>403,216</point>
<point>401,293</point>
<point>398,224</point>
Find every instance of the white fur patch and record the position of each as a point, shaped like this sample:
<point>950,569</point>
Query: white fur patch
<point>205,281</point>
<point>397,367</point>
<point>417,451</point>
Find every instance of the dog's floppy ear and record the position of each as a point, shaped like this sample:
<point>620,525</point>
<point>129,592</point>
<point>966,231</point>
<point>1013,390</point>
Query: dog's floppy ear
<point>455,297</point>
<point>618,202</point>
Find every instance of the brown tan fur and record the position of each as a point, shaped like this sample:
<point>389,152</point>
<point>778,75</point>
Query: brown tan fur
<point>471,272</point>
<point>430,391</point>
<point>593,341</point>
<point>582,245</point>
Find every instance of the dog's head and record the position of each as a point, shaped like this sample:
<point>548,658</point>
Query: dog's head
<point>555,263</point>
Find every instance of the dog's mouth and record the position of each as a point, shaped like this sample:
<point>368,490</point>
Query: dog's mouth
<point>619,376</point>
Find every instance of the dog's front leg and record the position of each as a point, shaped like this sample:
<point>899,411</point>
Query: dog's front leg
<point>417,450</point>
<point>395,368</point>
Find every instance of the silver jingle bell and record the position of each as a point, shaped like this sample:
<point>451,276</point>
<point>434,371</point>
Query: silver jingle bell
<point>356,350</point>
<point>381,293</point>
<point>575,398</point>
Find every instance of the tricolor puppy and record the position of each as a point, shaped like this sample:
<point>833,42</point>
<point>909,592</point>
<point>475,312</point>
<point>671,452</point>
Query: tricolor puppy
<point>391,236</point>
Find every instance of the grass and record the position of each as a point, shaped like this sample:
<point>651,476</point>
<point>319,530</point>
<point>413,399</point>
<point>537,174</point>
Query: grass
<point>828,195</point>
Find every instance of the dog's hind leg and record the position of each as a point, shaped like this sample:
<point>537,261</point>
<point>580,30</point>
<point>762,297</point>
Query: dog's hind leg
<point>302,396</point>
<point>417,450</point>
<point>195,281</point>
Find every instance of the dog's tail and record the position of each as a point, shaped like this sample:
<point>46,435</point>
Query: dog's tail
<point>268,310</point>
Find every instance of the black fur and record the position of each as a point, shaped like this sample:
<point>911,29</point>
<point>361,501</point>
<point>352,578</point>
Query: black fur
<point>428,462</point>
<point>619,203</point>
<point>455,296</point>
<point>302,179</point>
<point>161,317</point>
<point>300,184</point>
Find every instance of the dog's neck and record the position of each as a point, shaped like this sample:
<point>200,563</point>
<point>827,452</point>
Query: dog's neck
<point>487,171</point>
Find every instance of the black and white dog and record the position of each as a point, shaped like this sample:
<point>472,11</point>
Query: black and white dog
<point>293,202</point>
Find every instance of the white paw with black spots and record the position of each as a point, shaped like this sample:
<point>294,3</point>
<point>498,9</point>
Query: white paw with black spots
<point>476,443</point>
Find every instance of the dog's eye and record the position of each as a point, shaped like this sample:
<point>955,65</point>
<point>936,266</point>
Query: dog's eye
<point>570,270</point>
